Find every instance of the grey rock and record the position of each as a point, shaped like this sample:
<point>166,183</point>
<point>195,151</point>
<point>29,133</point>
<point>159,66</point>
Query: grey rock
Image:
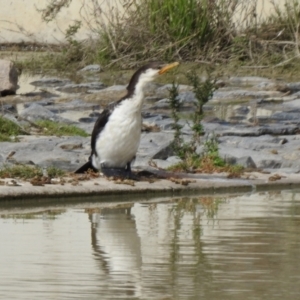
<point>151,99</point>
<point>200,150</point>
<point>8,78</point>
<point>162,164</point>
<point>91,68</point>
<point>161,104</point>
<point>187,97</point>
<point>239,94</point>
<point>248,80</point>
<point>88,120</point>
<point>156,145</point>
<point>273,86</point>
<point>81,87</point>
<point>294,86</point>
<point>75,105</point>
<point>40,94</point>
<point>50,82</point>
<point>8,108</point>
<point>286,116</point>
<point>241,156</point>
<point>242,110</point>
<point>107,95</point>
<point>174,160</point>
<point>284,170</point>
<point>244,130</point>
<point>47,151</point>
<point>37,112</point>
<point>43,102</point>
<point>151,88</point>
<point>13,118</point>
<point>94,114</point>
<point>292,104</point>
<point>163,92</point>
<point>163,122</point>
<point>246,162</point>
<point>169,162</point>
<point>87,127</point>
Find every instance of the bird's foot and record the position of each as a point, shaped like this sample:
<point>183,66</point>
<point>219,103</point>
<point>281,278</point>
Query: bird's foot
<point>121,173</point>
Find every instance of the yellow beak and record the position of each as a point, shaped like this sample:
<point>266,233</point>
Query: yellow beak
<point>168,67</point>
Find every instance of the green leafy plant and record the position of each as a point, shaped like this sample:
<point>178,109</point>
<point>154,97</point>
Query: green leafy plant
<point>210,161</point>
<point>211,150</point>
<point>203,91</point>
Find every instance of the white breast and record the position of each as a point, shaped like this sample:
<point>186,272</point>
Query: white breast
<point>118,142</point>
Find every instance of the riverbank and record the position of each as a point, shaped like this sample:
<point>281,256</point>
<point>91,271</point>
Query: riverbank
<point>102,188</point>
<point>255,121</point>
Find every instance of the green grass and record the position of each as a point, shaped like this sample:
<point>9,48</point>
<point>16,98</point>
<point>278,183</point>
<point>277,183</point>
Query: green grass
<point>8,130</point>
<point>60,129</point>
<point>28,172</point>
<point>20,171</point>
<point>55,172</point>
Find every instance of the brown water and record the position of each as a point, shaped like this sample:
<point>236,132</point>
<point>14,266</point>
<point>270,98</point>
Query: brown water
<point>230,247</point>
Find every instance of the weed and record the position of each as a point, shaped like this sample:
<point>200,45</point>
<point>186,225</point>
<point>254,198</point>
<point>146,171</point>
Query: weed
<point>9,130</point>
<point>210,161</point>
<point>55,172</point>
<point>29,172</point>
<point>60,129</point>
<point>203,91</point>
<point>20,171</point>
<point>175,106</point>
<point>211,150</point>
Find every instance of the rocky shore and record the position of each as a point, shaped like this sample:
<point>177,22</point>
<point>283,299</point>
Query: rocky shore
<point>254,119</point>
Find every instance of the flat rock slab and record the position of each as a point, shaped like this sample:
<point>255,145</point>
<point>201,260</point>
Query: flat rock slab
<point>102,187</point>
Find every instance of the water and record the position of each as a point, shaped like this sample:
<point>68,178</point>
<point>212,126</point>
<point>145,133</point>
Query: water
<point>224,247</point>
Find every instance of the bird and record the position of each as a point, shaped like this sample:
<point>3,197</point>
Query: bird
<point>116,135</point>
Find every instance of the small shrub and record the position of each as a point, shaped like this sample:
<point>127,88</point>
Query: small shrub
<point>203,92</point>
<point>210,161</point>
<point>8,129</point>
<point>212,152</point>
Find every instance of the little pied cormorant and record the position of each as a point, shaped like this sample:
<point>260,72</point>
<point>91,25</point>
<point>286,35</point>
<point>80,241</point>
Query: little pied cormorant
<point>116,134</point>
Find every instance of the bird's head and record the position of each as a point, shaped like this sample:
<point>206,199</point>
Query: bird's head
<point>148,73</point>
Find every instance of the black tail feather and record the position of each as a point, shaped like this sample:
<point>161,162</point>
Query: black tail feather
<point>85,168</point>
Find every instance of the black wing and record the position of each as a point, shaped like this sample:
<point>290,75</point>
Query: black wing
<point>98,127</point>
<point>102,120</point>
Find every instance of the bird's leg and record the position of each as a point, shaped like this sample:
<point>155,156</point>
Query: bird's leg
<point>130,175</point>
<point>128,167</point>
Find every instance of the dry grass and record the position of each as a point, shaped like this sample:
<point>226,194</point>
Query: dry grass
<point>205,31</point>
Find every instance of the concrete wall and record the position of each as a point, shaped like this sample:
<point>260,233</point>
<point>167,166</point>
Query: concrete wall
<point>20,21</point>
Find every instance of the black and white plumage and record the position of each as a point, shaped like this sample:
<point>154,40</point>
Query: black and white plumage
<point>116,134</point>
